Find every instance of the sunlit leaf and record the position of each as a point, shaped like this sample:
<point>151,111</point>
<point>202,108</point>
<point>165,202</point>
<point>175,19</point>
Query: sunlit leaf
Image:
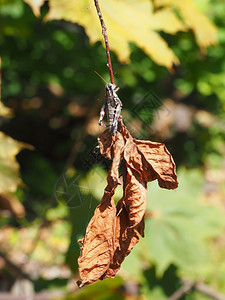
<point>5,111</point>
<point>204,30</point>
<point>9,167</point>
<point>127,22</point>
<point>137,22</point>
<point>36,6</point>
<point>9,175</point>
<point>9,147</point>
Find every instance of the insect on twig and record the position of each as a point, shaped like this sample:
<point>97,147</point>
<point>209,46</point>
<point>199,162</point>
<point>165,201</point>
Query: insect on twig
<point>113,104</point>
<point>112,107</point>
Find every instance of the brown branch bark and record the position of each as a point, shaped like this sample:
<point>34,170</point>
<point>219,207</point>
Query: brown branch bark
<point>104,33</point>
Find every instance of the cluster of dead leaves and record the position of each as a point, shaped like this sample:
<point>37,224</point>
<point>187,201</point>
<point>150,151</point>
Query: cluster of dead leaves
<point>114,230</point>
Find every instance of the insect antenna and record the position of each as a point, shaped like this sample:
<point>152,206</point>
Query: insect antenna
<point>100,76</point>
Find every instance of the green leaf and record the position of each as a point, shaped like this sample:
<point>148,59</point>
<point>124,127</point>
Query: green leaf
<point>154,294</point>
<point>95,182</point>
<point>177,231</point>
<point>133,265</point>
<point>59,212</point>
<point>101,290</point>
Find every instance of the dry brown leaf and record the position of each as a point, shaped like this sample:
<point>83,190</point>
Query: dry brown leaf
<point>114,230</point>
<point>151,160</point>
<point>105,142</point>
<point>125,239</point>
<point>117,153</point>
<point>135,197</point>
<point>98,244</point>
<point>159,161</point>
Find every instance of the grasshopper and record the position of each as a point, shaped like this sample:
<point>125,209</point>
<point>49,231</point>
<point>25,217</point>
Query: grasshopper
<point>112,107</point>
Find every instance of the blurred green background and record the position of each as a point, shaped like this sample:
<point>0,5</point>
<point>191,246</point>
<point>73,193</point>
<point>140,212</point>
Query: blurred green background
<point>48,81</point>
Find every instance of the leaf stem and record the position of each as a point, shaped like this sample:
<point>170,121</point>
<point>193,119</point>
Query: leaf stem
<point>104,33</point>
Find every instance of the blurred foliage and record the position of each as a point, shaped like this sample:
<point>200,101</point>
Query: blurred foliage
<point>136,22</point>
<point>48,82</point>
<point>9,169</point>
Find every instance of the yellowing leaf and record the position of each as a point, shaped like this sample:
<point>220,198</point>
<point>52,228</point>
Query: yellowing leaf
<point>134,21</point>
<point>204,30</point>
<point>165,19</point>
<point>5,111</point>
<point>35,5</point>
<point>9,175</point>
<point>126,22</point>
<point>10,147</point>
<point>9,167</point>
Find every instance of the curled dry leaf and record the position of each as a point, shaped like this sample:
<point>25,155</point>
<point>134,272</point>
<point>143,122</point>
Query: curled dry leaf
<point>98,242</point>
<point>135,197</point>
<point>114,230</point>
<point>159,163</point>
<point>126,238</point>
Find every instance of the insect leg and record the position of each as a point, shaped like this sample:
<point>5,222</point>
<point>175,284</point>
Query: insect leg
<point>102,113</point>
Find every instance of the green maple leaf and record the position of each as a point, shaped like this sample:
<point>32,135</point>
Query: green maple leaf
<point>180,225</point>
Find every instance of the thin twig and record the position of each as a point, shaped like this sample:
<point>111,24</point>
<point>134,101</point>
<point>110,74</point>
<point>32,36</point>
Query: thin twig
<point>109,64</point>
<point>187,286</point>
<point>198,286</point>
<point>207,290</point>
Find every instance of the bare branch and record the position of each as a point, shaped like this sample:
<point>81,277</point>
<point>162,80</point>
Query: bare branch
<point>104,33</point>
<point>198,286</point>
<point>187,286</point>
<point>207,290</point>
